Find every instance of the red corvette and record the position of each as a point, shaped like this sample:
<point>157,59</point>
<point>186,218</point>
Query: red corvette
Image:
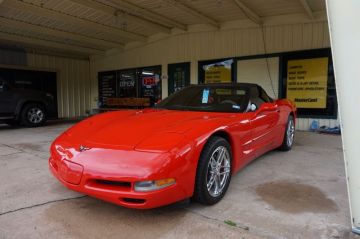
<point>187,146</point>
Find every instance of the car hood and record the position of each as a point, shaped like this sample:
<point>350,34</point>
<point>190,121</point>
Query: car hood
<point>145,129</point>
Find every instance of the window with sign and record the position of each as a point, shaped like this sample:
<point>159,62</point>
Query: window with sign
<point>130,83</point>
<point>308,80</point>
<point>217,71</point>
<point>127,84</point>
<point>107,86</point>
<point>150,78</point>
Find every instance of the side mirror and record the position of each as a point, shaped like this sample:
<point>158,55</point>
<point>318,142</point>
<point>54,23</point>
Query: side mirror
<point>267,107</point>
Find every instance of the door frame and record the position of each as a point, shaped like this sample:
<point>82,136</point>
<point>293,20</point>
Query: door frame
<point>171,82</point>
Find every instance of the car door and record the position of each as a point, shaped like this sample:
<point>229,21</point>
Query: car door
<point>7,100</point>
<point>264,120</point>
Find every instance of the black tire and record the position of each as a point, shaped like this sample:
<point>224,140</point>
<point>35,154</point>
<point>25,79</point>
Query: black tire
<point>286,145</point>
<point>201,192</point>
<point>37,111</point>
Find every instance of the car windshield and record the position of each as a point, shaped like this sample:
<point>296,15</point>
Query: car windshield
<point>212,98</point>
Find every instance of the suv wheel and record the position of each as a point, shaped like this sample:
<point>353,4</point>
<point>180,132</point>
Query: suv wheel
<point>33,115</point>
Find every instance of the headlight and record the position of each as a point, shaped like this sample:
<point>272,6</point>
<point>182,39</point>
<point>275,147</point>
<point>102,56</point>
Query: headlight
<point>146,186</point>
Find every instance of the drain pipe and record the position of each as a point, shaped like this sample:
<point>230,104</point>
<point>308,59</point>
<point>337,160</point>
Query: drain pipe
<point>344,28</point>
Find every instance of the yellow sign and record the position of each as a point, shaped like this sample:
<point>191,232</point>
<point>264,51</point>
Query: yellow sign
<point>218,72</point>
<point>307,82</point>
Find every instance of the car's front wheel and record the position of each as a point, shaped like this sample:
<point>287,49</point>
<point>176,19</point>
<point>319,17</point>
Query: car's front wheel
<point>33,115</point>
<point>213,172</point>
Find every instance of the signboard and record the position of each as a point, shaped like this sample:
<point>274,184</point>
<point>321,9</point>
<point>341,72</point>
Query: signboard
<point>307,82</point>
<point>149,81</point>
<point>126,84</point>
<point>150,85</point>
<point>107,86</point>
<point>219,72</point>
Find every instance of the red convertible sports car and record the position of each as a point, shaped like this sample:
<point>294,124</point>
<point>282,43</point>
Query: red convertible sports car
<point>187,146</point>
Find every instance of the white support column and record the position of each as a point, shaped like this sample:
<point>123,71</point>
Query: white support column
<point>344,25</point>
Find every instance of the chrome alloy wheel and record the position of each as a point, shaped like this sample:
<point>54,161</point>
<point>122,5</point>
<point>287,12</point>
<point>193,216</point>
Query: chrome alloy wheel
<point>218,171</point>
<point>290,132</point>
<point>35,115</point>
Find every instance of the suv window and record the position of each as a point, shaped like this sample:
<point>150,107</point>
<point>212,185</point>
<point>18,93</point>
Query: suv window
<point>2,86</point>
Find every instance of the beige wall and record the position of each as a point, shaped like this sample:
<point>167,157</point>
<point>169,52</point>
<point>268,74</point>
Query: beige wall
<point>73,85</point>
<point>204,44</point>
<point>257,71</point>
<point>72,82</point>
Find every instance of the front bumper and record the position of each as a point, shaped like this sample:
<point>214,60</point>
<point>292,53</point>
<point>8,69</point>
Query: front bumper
<point>75,177</point>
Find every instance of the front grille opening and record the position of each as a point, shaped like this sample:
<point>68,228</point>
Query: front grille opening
<point>114,183</point>
<point>134,200</point>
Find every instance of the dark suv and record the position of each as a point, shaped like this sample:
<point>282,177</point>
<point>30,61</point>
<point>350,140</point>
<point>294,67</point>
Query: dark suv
<point>24,106</point>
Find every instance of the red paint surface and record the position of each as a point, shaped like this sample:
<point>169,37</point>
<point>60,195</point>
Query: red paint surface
<point>131,146</point>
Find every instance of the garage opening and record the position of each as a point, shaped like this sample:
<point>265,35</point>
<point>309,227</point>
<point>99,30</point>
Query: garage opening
<point>26,86</point>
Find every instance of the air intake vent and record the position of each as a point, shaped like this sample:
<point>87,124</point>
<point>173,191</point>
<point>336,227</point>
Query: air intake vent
<point>114,183</point>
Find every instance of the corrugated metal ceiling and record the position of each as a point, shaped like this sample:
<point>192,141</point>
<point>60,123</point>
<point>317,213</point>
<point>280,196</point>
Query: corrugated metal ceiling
<point>163,14</point>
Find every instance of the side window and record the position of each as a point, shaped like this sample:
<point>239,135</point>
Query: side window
<point>264,96</point>
<point>255,97</point>
<point>2,86</point>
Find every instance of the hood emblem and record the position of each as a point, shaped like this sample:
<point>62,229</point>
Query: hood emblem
<point>83,148</point>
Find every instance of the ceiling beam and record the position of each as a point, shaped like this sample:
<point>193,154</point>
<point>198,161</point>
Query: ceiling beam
<point>116,13</point>
<point>136,10</point>
<point>49,44</point>
<point>307,8</point>
<point>55,15</point>
<point>58,33</point>
<point>249,13</point>
<point>43,51</point>
<point>194,12</point>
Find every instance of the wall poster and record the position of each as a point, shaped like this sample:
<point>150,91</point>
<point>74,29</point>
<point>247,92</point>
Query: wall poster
<point>126,80</point>
<point>219,72</point>
<point>307,81</point>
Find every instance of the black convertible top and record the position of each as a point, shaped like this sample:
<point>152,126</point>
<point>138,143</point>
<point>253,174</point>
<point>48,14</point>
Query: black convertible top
<point>246,85</point>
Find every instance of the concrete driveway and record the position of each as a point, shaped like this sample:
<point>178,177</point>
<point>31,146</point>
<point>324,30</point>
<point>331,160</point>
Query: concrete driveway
<point>297,194</point>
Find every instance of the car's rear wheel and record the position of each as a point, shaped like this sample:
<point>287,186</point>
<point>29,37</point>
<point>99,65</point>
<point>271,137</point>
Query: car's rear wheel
<point>289,135</point>
<point>33,115</point>
<point>213,172</point>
